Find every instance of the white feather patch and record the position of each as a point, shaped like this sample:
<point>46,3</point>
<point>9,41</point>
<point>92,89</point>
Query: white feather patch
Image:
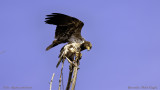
<point>72,47</point>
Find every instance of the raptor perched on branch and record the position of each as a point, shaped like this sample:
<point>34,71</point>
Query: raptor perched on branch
<point>68,31</point>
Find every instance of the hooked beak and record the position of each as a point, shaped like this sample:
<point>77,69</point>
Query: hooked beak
<point>88,48</point>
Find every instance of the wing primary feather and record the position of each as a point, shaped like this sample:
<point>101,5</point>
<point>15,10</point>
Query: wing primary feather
<point>61,19</point>
<point>67,26</point>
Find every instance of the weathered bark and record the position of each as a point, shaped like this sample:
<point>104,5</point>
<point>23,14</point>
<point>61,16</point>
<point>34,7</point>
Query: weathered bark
<point>75,70</point>
<point>51,81</point>
<point>74,77</point>
<point>70,77</point>
<point>60,79</point>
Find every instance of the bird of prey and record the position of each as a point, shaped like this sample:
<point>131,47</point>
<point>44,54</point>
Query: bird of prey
<point>68,31</point>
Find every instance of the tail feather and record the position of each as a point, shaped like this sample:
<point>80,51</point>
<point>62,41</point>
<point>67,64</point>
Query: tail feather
<point>60,59</point>
<point>54,43</point>
<point>49,47</point>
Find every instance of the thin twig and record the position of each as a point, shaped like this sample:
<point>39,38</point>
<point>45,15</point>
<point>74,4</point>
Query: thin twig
<point>62,82</point>
<point>51,81</point>
<point>60,79</point>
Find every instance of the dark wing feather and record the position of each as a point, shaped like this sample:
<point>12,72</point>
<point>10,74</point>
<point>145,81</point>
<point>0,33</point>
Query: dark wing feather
<point>66,26</point>
<point>59,19</point>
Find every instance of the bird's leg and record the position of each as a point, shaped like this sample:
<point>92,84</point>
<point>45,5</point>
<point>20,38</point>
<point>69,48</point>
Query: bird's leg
<point>70,61</point>
<point>78,57</point>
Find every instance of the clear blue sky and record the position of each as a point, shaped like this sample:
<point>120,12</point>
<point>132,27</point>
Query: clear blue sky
<point>125,35</point>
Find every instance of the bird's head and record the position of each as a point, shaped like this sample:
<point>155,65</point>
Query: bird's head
<point>86,45</point>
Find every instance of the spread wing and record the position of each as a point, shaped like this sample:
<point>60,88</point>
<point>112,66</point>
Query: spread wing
<point>67,26</point>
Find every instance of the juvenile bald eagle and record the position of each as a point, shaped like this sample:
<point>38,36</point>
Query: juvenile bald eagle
<point>68,30</point>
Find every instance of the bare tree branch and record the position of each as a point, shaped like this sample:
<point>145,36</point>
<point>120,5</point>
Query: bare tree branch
<point>51,81</point>
<point>75,75</point>
<point>78,57</point>
<point>60,79</point>
<point>70,77</point>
